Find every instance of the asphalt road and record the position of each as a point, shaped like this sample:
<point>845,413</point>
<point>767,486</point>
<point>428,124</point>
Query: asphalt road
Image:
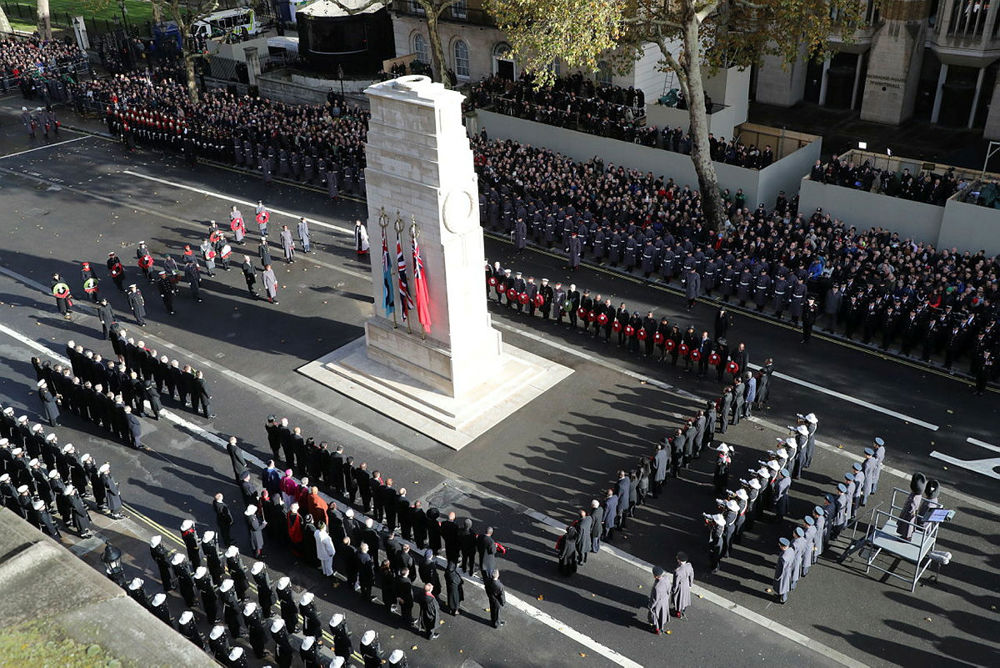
<point>73,202</point>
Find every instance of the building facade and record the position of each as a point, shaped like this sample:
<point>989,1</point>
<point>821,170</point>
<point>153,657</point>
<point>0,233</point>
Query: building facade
<point>931,60</point>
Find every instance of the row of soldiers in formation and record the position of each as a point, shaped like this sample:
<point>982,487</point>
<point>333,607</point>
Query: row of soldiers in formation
<point>679,449</point>
<point>215,578</point>
<point>824,524</point>
<point>765,487</point>
<point>39,476</point>
<point>597,316</point>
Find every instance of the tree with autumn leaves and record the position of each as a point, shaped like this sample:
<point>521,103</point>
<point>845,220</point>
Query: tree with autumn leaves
<point>695,38</point>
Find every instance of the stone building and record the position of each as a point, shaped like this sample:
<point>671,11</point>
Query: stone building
<point>931,60</point>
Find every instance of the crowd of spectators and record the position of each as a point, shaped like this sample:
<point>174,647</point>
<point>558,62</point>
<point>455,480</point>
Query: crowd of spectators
<point>40,69</point>
<point>573,102</point>
<point>926,186</point>
<point>871,284</point>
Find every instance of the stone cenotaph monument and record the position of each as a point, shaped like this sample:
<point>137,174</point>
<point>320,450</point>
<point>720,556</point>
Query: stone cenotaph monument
<point>443,370</point>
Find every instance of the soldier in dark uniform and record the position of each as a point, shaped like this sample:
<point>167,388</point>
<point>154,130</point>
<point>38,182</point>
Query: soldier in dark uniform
<point>137,304</point>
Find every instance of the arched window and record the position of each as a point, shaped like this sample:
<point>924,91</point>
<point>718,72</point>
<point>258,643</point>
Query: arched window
<point>461,59</point>
<point>420,48</point>
<point>604,73</point>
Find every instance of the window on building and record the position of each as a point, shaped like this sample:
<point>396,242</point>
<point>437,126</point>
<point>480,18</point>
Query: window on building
<point>420,48</point>
<point>416,8</point>
<point>459,10</point>
<point>555,67</point>
<point>461,59</point>
<point>604,73</point>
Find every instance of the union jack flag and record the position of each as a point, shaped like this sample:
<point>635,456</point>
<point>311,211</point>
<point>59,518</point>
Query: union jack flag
<point>404,286</point>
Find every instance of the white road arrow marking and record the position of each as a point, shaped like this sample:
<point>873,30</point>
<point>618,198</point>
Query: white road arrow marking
<point>986,467</point>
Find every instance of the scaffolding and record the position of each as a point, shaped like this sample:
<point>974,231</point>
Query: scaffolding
<point>882,540</point>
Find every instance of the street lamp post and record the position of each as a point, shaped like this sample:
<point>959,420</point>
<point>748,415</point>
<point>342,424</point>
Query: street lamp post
<point>340,76</point>
<point>121,5</point>
<point>112,559</point>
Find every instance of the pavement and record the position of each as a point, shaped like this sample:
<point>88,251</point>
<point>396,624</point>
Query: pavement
<point>75,201</point>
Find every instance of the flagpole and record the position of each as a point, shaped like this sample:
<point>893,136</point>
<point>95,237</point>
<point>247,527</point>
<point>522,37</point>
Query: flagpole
<point>383,221</point>
<point>399,231</point>
<point>413,243</point>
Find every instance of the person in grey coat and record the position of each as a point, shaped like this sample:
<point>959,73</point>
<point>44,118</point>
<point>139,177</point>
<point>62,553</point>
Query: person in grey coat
<point>49,404</point>
<point>610,514</point>
<point>596,525</point>
<point>661,460</point>
<point>287,245</point>
<point>623,489</point>
<point>575,250</point>
<point>659,601</point>
<point>106,314</point>
<point>680,591</point>
<point>304,235</point>
<point>692,287</point>
<point>256,529</point>
<point>112,492</point>
<point>270,284</point>
<point>520,234</point>
<point>583,541</point>
<point>907,515</point>
<point>783,571</point>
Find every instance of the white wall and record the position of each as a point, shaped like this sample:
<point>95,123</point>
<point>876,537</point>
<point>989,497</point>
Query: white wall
<point>757,185</point>
<point>970,227</point>
<point>863,209</point>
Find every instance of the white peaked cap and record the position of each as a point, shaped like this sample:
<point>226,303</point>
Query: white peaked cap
<point>754,483</point>
<point>177,559</point>
<point>155,540</point>
<point>306,598</point>
<point>811,418</point>
<point>277,625</point>
<point>53,473</point>
<point>732,505</point>
<point>135,584</point>
<point>251,510</point>
<point>336,620</point>
<point>186,524</point>
<point>232,551</point>
<point>257,567</point>
<point>719,519</point>
<point>802,429</point>
<point>49,437</point>
<point>226,585</point>
<point>104,468</point>
<point>338,662</point>
<point>159,599</point>
<point>200,572</point>
<point>216,632</point>
<point>368,638</point>
<point>308,642</point>
<point>235,654</point>
<point>396,656</point>
<point>38,505</point>
<point>185,617</point>
<point>249,609</point>
<point>742,493</point>
<point>208,537</point>
<point>283,582</point>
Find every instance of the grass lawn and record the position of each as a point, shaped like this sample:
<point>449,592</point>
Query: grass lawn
<point>138,11</point>
<point>31,645</point>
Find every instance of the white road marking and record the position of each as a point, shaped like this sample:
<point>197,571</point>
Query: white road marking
<point>39,148</point>
<point>853,400</point>
<point>542,617</point>
<point>514,601</point>
<point>229,198</point>
<point>986,467</point>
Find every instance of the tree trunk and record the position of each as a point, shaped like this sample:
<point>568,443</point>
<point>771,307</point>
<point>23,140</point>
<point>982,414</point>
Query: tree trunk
<point>192,81</point>
<point>4,23</point>
<point>44,20</point>
<point>701,148</point>
<point>437,50</point>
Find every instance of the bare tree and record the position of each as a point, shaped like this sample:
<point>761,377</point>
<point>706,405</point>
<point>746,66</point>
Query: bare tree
<point>185,13</point>
<point>433,9</point>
